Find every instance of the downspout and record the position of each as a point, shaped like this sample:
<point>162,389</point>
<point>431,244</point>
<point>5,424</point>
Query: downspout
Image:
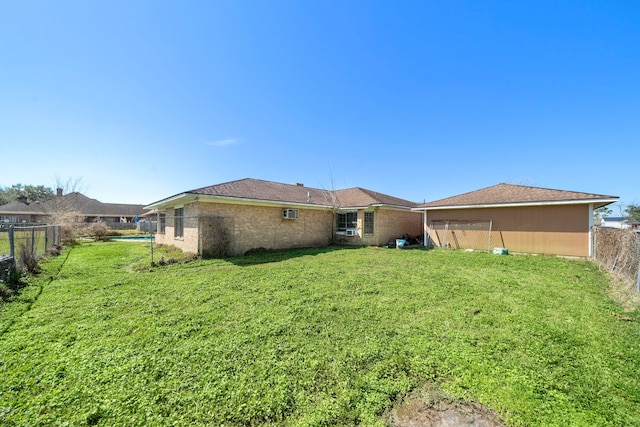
<point>424,229</point>
<point>590,229</point>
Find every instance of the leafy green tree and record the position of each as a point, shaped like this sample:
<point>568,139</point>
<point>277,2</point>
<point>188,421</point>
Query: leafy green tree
<point>602,212</point>
<point>33,193</point>
<point>633,212</point>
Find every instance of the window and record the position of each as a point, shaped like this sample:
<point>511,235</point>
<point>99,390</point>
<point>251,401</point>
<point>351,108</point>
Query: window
<point>346,220</point>
<point>163,222</point>
<point>368,223</point>
<point>178,222</point>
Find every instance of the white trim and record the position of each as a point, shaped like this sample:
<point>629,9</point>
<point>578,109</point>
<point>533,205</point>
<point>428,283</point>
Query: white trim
<point>591,229</point>
<point>190,197</point>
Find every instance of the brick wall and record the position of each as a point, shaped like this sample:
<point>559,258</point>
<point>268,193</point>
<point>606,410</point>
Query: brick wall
<point>391,224</point>
<point>263,226</point>
<point>388,225</point>
<point>248,227</point>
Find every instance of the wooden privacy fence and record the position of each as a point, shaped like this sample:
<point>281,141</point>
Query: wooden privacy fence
<point>618,250</point>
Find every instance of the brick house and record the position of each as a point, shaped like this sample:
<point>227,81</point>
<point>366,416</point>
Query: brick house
<point>235,217</point>
<point>519,218</point>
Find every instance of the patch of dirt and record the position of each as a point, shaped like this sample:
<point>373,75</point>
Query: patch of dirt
<point>431,407</point>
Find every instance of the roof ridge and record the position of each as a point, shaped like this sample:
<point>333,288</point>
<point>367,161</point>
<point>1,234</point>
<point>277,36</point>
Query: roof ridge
<point>542,188</point>
<point>254,180</point>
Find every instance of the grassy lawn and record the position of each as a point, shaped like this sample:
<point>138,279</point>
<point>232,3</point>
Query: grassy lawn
<point>4,243</point>
<point>314,337</point>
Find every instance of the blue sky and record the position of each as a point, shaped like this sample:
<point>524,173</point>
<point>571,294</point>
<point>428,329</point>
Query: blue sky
<point>419,99</point>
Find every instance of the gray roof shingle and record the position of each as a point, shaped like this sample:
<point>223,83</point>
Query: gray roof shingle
<point>507,194</point>
<point>260,190</point>
<point>76,202</point>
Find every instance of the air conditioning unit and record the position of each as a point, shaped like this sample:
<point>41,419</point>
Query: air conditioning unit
<point>352,232</point>
<point>290,213</point>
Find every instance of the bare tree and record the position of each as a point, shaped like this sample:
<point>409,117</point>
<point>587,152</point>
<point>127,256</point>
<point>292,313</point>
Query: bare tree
<point>527,182</point>
<point>70,185</point>
<point>62,209</point>
<point>331,199</point>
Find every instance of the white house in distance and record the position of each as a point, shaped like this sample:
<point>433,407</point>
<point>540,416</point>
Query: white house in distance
<point>615,222</point>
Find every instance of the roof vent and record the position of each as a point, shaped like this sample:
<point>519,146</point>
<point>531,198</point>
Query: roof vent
<point>299,184</point>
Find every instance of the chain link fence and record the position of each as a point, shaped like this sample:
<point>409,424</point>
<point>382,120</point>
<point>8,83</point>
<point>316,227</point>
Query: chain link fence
<point>22,245</point>
<point>618,250</point>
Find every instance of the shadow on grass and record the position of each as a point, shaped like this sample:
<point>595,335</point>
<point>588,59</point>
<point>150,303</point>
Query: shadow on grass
<point>264,256</point>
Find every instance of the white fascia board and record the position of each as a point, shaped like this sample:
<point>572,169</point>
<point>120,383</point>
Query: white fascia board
<point>169,201</point>
<point>522,204</point>
<point>377,205</point>
<point>243,201</point>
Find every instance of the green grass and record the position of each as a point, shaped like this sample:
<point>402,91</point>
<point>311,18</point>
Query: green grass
<point>313,337</point>
<point>4,243</point>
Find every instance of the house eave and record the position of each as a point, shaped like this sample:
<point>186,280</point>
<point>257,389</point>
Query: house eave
<point>166,202</point>
<point>192,197</point>
<point>373,206</point>
<point>598,202</point>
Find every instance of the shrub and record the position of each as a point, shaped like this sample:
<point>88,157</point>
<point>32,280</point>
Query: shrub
<point>5,292</point>
<point>99,230</point>
<point>27,260</point>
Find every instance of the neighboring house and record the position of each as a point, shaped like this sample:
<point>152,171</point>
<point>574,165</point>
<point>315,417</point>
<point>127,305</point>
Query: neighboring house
<point>516,217</point>
<point>615,222</point>
<point>80,206</point>
<point>236,217</point>
<point>21,212</point>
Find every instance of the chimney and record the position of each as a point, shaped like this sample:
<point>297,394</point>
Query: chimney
<point>22,199</point>
<point>59,192</point>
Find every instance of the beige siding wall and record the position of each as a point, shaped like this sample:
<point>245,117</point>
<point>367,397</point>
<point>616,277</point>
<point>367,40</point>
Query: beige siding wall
<point>557,230</point>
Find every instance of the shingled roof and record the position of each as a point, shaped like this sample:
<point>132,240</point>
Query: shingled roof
<point>76,202</point>
<point>250,189</point>
<point>360,197</point>
<point>84,205</point>
<point>509,194</point>
<point>21,207</point>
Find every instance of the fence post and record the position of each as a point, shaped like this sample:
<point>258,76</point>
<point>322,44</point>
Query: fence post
<point>638,272</point>
<point>33,241</point>
<point>12,246</point>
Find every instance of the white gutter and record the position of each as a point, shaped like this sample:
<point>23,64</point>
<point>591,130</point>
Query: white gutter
<point>375,205</point>
<point>165,201</point>
<point>191,197</point>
